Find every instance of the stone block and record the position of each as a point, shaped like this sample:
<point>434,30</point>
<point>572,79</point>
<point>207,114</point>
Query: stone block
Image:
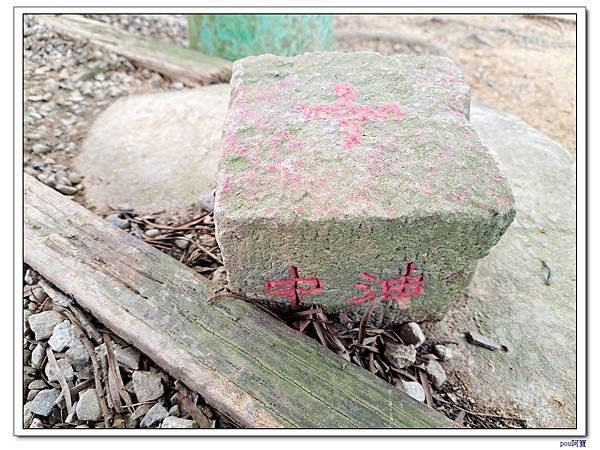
<point>348,179</point>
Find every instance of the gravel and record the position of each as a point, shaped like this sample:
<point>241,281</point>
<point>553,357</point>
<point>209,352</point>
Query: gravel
<point>88,407</point>
<point>118,221</point>
<point>128,357</point>
<point>412,388</point>
<point>66,85</point>
<point>411,333</point>
<point>65,367</point>
<point>37,356</point>
<point>436,373</point>
<point>147,385</point>
<point>156,414</point>
<point>442,352</point>
<point>67,190</point>
<point>44,402</point>
<point>77,354</point>
<point>62,336</point>
<point>43,324</point>
<point>176,422</point>
<point>400,356</point>
<point>37,385</point>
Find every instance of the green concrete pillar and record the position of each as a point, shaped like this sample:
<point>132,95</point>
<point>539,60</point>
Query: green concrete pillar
<point>235,36</point>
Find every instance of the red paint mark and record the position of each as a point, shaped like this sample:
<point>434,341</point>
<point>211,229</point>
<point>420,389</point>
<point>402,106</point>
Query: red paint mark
<point>294,287</point>
<point>349,115</point>
<point>226,184</point>
<point>400,289</point>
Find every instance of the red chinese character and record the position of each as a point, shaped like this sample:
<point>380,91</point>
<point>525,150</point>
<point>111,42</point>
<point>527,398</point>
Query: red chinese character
<point>294,287</point>
<point>399,289</point>
<point>349,114</point>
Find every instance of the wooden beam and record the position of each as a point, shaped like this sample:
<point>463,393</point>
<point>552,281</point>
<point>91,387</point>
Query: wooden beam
<point>188,66</point>
<point>251,367</point>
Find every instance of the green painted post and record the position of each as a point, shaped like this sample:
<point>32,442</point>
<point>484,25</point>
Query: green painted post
<point>235,36</point>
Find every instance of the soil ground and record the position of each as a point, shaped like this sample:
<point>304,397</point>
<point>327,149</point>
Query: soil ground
<point>524,65</point>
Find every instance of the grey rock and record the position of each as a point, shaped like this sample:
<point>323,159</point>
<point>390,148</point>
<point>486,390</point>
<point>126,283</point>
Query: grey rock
<point>140,411</point>
<point>44,402</point>
<point>174,411</point>
<point>40,149</point>
<point>123,207</point>
<point>176,422</point>
<point>182,243</point>
<point>84,372</point>
<point>26,356</point>
<point>37,385</point>
<point>75,178</point>
<point>129,387</point>
<point>156,414</point>
<point>152,232</point>
<point>32,394</point>
<point>442,352</point>
<point>509,299</point>
<point>412,388</point>
<point>436,373</point>
<point>26,380</point>
<point>400,356</point>
<point>482,341</point>
<point>64,366</point>
<point>411,333</point>
<point>38,294</point>
<point>47,178</point>
<point>207,201</point>
<point>67,190</point>
<point>42,324</point>
<point>27,415</point>
<point>62,178</point>
<point>31,171</point>
<point>62,336</point>
<point>88,407</point>
<point>118,221</point>
<point>77,354</point>
<point>32,136</point>
<point>36,423</point>
<point>26,315</point>
<point>147,385</point>
<point>38,164</point>
<point>29,277</point>
<point>128,357</point>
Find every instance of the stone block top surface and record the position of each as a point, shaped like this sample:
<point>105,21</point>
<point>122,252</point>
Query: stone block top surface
<point>338,136</point>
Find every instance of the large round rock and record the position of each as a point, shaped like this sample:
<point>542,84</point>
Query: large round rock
<point>156,151</point>
<point>511,299</point>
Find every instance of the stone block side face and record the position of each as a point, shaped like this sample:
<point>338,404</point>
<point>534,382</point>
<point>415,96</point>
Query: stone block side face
<point>347,179</point>
<point>353,259</point>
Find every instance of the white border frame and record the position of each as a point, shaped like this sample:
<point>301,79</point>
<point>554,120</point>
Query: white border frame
<point>581,283</point>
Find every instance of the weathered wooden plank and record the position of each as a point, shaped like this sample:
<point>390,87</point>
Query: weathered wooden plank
<point>251,367</point>
<point>188,66</point>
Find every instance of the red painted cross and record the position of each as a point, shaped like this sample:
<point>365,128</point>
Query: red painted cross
<point>294,287</point>
<point>399,289</point>
<point>350,115</point>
